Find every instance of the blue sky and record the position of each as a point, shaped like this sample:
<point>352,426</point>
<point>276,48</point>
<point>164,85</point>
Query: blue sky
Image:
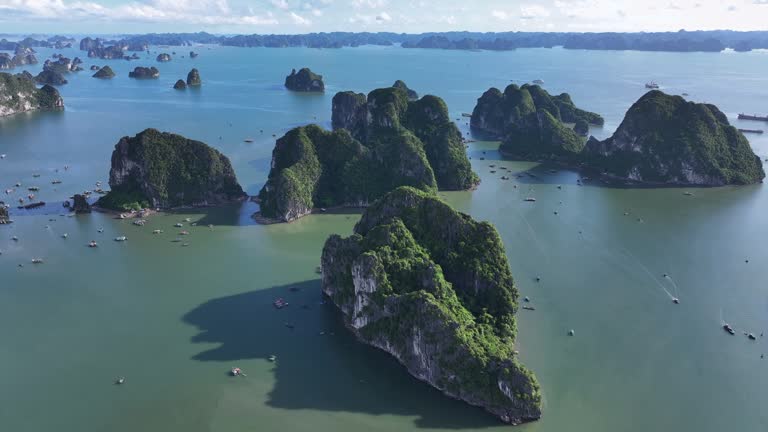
<point>411,16</point>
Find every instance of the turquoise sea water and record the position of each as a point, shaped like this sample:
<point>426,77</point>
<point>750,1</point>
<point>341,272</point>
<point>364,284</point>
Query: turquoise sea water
<point>174,319</point>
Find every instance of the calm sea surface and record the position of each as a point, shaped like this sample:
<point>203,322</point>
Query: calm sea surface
<point>173,320</point>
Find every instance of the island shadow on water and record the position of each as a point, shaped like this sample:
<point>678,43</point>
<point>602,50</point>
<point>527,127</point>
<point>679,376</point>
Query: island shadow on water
<point>320,365</point>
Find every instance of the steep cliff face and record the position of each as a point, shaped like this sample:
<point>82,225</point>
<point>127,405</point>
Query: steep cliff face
<point>412,95</point>
<point>4,218</point>
<point>427,118</point>
<point>80,204</point>
<point>531,123</point>
<point>18,93</point>
<point>313,168</point>
<point>159,169</point>
<point>432,287</point>
<point>304,81</point>
<point>665,139</point>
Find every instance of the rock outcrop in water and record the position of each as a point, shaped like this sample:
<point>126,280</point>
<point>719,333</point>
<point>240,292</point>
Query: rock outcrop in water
<point>432,287</point>
<point>4,218</point>
<point>140,72</point>
<point>80,204</point>
<point>163,57</point>
<point>666,139</point>
<point>18,93</point>
<point>180,85</point>
<point>104,73</point>
<point>531,123</point>
<point>304,81</point>
<point>193,78</point>
<point>378,144</point>
<point>50,77</point>
<point>159,169</point>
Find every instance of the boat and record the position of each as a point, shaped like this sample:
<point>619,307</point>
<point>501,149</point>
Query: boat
<point>65,235</point>
<point>688,193</point>
<point>56,182</point>
<point>675,300</point>
<point>32,205</point>
<point>157,231</point>
<point>751,336</point>
<point>753,117</point>
<point>123,216</point>
<point>248,140</point>
<point>121,239</point>
<point>280,303</point>
<point>466,115</point>
<point>14,238</point>
<point>752,131</point>
<point>93,244</point>
<point>139,222</point>
<point>33,188</point>
<point>652,85</point>
<point>530,308</point>
<point>529,199</point>
<point>37,261</point>
<point>729,329</point>
<point>2,156</point>
<point>179,225</point>
<point>120,380</point>
<point>101,230</point>
<point>272,358</point>
<point>184,233</point>
<point>236,371</point>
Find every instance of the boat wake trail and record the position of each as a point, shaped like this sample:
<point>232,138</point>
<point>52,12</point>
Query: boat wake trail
<point>648,272</point>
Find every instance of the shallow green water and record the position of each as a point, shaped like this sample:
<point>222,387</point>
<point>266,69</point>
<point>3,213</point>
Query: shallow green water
<point>175,319</point>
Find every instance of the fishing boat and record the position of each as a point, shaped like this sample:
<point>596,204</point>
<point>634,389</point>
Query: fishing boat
<point>652,85</point>
<point>727,327</point>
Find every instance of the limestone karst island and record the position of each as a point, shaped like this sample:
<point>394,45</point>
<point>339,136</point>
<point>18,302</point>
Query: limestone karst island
<point>380,215</point>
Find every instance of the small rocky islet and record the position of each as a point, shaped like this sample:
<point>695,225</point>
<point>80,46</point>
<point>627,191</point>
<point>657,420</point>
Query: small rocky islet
<point>140,72</point>
<point>105,72</point>
<point>304,81</point>
<point>18,93</point>
<point>378,143</point>
<point>432,287</point>
<point>156,169</point>
<point>193,80</point>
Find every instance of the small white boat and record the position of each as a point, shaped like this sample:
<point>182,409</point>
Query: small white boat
<point>157,231</point>
<point>529,199</point>
<point>65,235</point>
<point>272,358</point>
<point>179,225</point>
<point>93,244</point>
<point>120,380</point>
<point>121,238</point>
<point>37,261</point>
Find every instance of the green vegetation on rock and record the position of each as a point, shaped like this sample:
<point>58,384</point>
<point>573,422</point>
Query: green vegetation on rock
<point>304,81</point>
<point>18,93</point>
<point>531,123</point>
<point>666,139</point>
<point>165,170</point>
<point>104,73</point>
<point>379,143</point>
<point>432,287</point>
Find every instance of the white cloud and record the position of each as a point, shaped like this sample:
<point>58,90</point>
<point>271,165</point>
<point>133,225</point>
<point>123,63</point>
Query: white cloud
<point>280,4</point>
<point>299,20</point>
<point>533,12</point>
<point>205,12</point>
<point>500,15</point>
<point>369,4</point>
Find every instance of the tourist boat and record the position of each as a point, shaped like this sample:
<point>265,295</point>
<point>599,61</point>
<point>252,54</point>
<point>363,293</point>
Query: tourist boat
<point>157,231</point>
<point>93,244</point>
<point>280,303</point>
<point>753,117</point>
<point>56,182</point>
<point>184,233</point>
<point>33,188</point>
<point>530,199</point>
<point>236,371</point>
<point>37,261</point>
<point>652,85</point>
<point>751,336</point>
<point>179,225</point>
<point>675,300</point>
<point>729,329</point>
<point>121,238</point>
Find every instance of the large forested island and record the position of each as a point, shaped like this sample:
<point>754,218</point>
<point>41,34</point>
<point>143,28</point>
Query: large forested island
<point>18,93</point>
<point>379,142</point>
<point>160,169</point>
<point>666,139</point>
<point>432,287</point>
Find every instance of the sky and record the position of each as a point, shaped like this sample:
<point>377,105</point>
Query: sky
<point>407,16</point>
